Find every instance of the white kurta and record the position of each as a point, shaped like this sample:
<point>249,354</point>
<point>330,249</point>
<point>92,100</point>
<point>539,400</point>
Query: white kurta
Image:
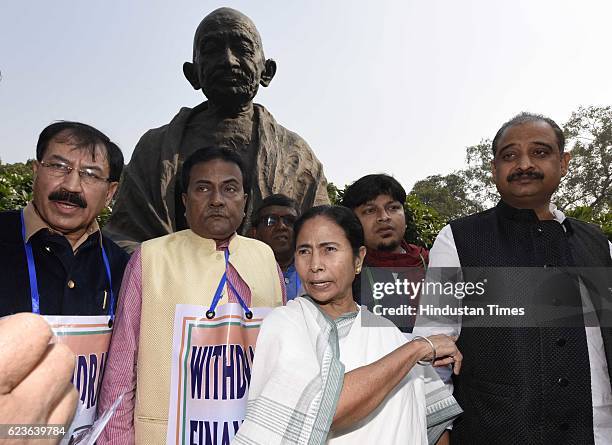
<point>401,418</point>
<point>298,374</point>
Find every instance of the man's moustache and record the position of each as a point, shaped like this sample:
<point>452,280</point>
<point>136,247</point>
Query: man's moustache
<point>220,74</point>
<point>66,196</point>
<point>529,174</point>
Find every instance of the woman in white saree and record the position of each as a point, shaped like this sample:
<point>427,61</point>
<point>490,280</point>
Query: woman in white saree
<point>321,376</point>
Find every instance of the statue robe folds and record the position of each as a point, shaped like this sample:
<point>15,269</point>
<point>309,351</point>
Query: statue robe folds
<point>145,205</point>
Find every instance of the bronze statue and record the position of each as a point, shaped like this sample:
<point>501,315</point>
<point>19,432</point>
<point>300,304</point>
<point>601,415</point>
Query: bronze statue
<point>228,66</point>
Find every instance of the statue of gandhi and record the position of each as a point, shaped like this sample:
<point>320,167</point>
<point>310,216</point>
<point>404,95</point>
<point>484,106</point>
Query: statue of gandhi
<point>228,66</point>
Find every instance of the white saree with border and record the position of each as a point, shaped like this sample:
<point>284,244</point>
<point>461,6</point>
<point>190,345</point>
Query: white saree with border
<point>298,373</point>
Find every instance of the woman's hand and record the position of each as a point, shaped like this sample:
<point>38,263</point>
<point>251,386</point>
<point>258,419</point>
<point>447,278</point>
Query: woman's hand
<point>446,351</point>
<point>365,388</point>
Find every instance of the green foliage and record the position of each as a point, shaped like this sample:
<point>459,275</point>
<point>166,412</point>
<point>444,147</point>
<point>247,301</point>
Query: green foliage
<point>463,192</point>
<point>588,135</point>
<point>15,185</point>
<point>105,215</point>
<point>16,188</point>
<point>603,220</point>
<point>335,194</point>
<point>589,179</point>
<point>585,192</point>
<point>448,195</point>
<point>477,174</point>
<point>424,222</point>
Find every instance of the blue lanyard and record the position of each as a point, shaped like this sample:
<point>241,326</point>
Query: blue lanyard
<point>34,282</point>
<point>210,313</point>
<point>292,292</point>
<point>298,283</point>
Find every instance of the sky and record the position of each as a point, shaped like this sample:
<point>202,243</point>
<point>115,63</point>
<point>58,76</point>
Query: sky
<point>393,86</point>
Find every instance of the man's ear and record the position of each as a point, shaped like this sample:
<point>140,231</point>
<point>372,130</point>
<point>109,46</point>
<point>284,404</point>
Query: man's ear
<point>34,168</point>
<point>494,171</point>
<point>189,70</point>
<point>111,192</point>
<point>359,259</point>
<point>252,232</point>
<point>565,160</point>
<point>268,73</point>
<point>184,198</point>
<point>244,204</point>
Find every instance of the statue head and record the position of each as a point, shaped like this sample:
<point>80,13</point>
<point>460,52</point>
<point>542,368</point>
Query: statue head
<point>228,59</point>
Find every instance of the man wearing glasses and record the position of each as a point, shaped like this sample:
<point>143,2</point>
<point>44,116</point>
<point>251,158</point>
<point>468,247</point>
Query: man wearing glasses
<point>273,224</point>
<point>54,258</point>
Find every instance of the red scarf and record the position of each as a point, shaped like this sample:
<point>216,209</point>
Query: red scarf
<point>414,257</point>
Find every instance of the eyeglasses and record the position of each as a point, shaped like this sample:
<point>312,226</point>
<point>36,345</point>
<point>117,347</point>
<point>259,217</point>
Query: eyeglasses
<point>61,169</point>
<point>272,220</point>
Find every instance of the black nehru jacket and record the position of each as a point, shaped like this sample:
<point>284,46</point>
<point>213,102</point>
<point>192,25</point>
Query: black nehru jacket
<point>526,385</point>
<point>69,283</point>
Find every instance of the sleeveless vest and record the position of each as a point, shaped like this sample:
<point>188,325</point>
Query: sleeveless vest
<point>526,385</point>
<point>184,268</point>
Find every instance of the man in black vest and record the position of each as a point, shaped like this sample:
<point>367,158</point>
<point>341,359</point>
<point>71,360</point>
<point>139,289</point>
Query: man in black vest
<point>529,385</point>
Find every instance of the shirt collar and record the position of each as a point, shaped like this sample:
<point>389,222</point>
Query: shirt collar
<point>210,245</point>
<point>528,215</point>
<point>558,215</point>
<point>225,244</point>
<point>34,224</point>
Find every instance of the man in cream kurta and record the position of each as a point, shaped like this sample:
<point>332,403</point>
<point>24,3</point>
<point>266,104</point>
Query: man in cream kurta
<point>181,268</point>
